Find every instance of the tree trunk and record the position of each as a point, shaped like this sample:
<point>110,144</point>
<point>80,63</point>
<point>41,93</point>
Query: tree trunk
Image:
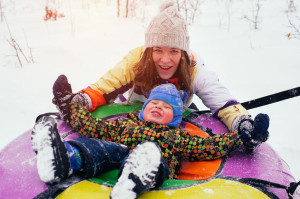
<point>118,8</point>
<point>127,2</point>
<point>1,11</point>
<point>178,6</point>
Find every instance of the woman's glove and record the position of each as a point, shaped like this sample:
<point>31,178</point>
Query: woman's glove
<point>253,133</point>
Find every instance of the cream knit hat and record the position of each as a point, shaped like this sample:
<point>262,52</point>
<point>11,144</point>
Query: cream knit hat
<point>168,29</point>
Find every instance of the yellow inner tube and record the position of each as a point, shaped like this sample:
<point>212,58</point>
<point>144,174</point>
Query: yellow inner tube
<point>217,188</point>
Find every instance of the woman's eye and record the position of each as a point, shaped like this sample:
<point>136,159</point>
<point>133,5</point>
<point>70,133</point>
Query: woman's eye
<point>175,51</point>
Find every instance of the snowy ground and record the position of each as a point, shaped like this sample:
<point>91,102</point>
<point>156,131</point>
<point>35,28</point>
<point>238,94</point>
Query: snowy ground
<point>87,42</point>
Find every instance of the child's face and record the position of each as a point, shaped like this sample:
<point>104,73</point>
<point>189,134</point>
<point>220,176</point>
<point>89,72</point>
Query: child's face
<point>158,111</point>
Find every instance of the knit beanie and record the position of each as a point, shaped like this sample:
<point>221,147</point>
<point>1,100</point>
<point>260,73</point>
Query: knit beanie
<point>169,94</point>
<point>168,29</point>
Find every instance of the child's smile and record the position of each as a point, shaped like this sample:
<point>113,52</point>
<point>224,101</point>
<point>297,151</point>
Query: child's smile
<point>158,111</point>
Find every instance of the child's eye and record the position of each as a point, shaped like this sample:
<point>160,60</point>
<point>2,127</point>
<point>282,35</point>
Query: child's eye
<point>168,107</point>
<point>153,102</point>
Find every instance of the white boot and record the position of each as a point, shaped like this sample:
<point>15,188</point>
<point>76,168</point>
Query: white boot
<point>53,162</point>
<point>139,172</point>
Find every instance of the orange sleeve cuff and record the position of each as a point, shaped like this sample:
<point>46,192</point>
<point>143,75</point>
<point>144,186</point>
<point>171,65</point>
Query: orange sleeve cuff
<point>96,98</point>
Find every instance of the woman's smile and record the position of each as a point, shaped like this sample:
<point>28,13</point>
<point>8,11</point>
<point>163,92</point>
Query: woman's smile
<point>166,61</point>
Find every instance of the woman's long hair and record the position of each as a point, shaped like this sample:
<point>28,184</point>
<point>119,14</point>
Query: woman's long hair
<point>146,76</point>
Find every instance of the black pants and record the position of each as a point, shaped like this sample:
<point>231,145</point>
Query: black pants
<point>99,156</point>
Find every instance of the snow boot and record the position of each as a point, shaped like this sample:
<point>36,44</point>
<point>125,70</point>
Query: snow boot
<point>63,95</point>
<point>53,162</point>
<point>139,172</point>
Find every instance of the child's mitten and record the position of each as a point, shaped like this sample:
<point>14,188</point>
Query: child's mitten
<point>253,137</point>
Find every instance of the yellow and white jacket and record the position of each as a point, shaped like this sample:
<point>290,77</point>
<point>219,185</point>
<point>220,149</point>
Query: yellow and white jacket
<point>119,80</point>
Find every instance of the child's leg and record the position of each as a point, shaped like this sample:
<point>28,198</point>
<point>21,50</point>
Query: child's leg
<point>99,156</point>
<point>141,171</point>
<point>57,160</point>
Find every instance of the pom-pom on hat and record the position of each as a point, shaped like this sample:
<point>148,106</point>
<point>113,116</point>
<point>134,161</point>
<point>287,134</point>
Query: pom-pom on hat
<point>169,94</point>
<point>168,29</point>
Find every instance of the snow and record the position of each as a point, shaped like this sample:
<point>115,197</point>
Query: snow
<point>87,42</point>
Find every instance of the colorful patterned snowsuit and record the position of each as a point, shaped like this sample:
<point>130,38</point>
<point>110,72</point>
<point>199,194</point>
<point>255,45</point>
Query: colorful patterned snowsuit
<point>175,144</point>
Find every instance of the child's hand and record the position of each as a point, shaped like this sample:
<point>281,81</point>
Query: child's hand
<point>81,99</point>
<point>259,133</point>
<point>63,95</point>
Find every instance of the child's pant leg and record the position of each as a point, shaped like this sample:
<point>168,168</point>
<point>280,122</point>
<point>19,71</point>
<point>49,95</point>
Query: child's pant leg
<point>163,173</point>
<point>99,156</point>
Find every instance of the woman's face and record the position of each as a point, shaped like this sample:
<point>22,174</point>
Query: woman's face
<point>166,61</point>
<point>158,111</point>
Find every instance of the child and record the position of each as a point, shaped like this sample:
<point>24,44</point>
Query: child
<point>157,145</point>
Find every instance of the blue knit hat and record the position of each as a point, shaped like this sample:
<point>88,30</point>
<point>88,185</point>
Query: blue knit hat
<point>169,94</point>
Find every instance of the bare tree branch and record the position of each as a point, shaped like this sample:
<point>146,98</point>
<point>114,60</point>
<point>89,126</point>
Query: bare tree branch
<point>291,6</point>
<point>17,48</point>
<point>30,50</point>
<point>12,42</point>
<point>295,27</point>
<point>255,20</point>
<point>189,9</point>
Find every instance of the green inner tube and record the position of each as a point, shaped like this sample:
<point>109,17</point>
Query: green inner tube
<point>113,109</point>
<point>110,178</point>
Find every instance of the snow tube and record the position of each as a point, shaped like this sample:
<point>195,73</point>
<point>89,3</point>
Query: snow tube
<point>262,174</point>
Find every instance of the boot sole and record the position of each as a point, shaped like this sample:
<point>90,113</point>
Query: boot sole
<point>51,151</point>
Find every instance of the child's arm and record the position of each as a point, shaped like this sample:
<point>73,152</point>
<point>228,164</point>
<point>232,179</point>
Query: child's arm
<point>213,147</point>
<point>89,126</point>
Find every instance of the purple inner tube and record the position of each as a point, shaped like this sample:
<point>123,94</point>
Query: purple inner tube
<point>20,177</point>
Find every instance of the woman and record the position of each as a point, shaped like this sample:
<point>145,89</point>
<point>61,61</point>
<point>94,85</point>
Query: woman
<point>165,58</point>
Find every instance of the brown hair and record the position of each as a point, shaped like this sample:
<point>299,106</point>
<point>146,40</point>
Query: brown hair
<point>146,76</point>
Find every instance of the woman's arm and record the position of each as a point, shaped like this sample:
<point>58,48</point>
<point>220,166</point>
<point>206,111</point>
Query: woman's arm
<point>116,81</point>
<point>216,96</point>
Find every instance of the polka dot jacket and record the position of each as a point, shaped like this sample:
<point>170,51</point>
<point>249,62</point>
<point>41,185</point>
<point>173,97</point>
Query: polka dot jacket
<point>175,144</point>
